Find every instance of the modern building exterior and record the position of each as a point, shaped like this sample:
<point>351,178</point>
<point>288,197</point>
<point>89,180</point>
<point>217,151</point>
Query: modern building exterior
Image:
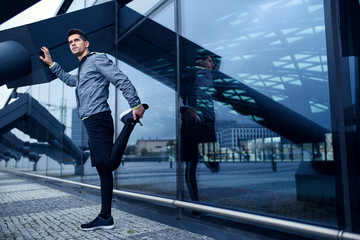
<point>231,137</point>
<point>285,90</point>
<point>153,146</point>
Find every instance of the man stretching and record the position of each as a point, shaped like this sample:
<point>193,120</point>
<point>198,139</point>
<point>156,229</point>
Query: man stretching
<point>95,73</point>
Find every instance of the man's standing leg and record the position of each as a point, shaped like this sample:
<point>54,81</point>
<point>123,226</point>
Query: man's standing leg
<point>189,154</point>
<point>100,129</point>
<point>106,185</point>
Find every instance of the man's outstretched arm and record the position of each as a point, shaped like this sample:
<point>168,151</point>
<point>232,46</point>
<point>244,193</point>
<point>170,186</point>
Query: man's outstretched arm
<point>55,68</point>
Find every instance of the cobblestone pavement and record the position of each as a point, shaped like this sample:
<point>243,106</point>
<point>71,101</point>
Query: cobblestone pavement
<point>33,211</point>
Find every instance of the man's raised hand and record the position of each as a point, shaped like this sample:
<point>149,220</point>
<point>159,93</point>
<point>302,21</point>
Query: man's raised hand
<point>47,57</point>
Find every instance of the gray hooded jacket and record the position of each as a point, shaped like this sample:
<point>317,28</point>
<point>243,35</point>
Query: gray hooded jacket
<point>96,72</point>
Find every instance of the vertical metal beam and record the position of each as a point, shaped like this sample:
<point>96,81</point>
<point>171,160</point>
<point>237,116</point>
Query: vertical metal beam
<point>342,131</point>
<point>116,125</point>
<point>62,122</point>
<point>179,164</point>
<point>357,105</point>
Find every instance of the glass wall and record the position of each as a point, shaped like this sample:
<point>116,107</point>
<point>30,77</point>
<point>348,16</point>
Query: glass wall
<point>245,126</point>
<point>46,132</point>
<point>149,164</point>
<point>265,97</point>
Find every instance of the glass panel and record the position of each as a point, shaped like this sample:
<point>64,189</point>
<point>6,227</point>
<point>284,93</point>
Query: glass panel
<point>148,165</point>
<point>37,133</point>
<point>67,147</point>
<point>53,107</point>
<point>81,4</point>
<point>23,133</point>
<point>254,74</point>
<point>43,143</point>
<point>147,53</point>
<point>142,6</point>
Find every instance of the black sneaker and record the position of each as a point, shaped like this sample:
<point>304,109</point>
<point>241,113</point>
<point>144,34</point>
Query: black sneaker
<point>98,223</point>
<point>127,116</point>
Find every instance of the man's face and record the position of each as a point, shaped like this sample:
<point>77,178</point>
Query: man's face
<point>77,45</point>
<point>207,63</point>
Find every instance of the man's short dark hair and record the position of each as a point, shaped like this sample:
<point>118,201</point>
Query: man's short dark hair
<point>83,35</point>
<point>202,54</point>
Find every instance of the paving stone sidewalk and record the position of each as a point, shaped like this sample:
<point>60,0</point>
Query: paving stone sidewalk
<point>34,211</point>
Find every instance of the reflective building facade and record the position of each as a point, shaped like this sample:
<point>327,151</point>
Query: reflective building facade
<point>283,91</point>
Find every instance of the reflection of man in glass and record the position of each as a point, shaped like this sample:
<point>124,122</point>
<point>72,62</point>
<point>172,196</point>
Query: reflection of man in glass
<point>198,118</point>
